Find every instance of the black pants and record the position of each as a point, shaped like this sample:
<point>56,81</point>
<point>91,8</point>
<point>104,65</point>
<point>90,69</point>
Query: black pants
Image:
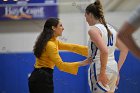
<point>41,81</point>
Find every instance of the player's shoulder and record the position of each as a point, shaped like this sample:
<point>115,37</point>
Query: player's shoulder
<point>112,28</point>
<point>99,25</point>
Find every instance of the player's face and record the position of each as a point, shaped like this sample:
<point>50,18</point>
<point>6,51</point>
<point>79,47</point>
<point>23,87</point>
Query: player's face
<point>89,18</point>
<point>58,30</point>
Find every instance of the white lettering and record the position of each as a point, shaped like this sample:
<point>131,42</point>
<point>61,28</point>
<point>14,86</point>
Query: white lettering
<point>34,11</point>
<point>13,11</point>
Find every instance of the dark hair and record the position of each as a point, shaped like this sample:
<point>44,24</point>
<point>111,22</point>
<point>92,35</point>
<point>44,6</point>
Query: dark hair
<point>97,11</point>
<point>45,36</point>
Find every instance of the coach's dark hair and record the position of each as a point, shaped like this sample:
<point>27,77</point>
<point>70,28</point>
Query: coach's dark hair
<point>97,11</point>
<point>45,36</point>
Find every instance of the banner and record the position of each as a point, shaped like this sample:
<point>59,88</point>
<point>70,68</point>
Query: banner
<point>28,10</point>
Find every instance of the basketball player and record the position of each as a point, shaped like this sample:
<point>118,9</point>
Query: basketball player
<point>128,28</point>
<point>103,71</point>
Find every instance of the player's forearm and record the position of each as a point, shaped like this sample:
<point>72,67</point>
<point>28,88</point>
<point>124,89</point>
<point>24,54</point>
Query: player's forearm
<point>103,59</point>
<point>122,58</point>
<point>125,35</point>
<point>128,40</point>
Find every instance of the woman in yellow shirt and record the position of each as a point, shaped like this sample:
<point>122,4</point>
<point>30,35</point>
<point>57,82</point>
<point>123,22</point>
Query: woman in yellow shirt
<point>46,50</point>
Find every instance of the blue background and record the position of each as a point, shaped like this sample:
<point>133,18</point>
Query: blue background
<point>15,68</point>
<point>47,10</point>
<point>30,1</point>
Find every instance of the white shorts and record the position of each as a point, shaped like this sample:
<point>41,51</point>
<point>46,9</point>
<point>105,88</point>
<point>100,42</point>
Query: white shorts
<point>97,87</point>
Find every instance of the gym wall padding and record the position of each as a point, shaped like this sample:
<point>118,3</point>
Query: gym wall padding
<point>16,67</point>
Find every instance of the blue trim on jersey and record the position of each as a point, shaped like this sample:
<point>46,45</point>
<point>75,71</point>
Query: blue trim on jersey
<point>93,50</point>
<point>92,47</point>
<point>94,68</point>
<point>101,87</point>
<point>91,81</point>
<point>110,40</point>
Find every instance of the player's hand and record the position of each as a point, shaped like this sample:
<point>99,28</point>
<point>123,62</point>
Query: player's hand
<point>103,79</point>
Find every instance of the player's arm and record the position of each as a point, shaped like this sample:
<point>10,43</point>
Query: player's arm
<point>123,52</point>
<point>96,37</point>
<point>125,35</point>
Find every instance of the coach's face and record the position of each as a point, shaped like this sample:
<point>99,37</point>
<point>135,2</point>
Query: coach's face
<point>58,29</point>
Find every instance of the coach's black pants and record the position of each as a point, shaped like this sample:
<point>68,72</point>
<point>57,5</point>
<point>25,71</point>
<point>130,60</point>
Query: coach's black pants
<point>41,81</point>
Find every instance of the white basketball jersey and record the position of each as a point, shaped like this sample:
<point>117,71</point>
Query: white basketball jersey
<point>94,52</point>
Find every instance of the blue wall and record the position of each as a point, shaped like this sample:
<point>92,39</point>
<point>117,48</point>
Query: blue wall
<point>15,67</point>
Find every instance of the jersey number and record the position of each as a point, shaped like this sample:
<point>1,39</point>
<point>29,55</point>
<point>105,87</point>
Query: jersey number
<point>110,41</point>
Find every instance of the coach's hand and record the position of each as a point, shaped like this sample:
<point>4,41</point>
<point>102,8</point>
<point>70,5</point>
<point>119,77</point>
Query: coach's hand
<point>86,62</point>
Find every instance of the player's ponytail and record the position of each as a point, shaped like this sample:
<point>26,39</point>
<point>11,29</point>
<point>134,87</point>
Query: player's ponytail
<point>101,15</point>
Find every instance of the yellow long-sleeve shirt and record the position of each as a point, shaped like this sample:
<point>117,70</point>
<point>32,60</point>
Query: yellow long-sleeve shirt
<point>50,56</point>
